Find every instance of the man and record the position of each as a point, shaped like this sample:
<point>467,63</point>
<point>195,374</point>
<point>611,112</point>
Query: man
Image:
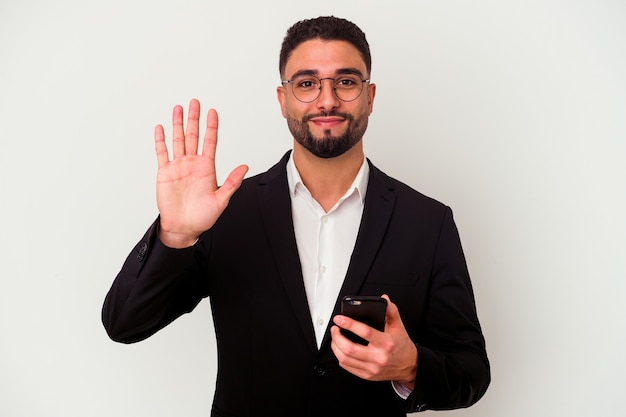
<point>278,251</point>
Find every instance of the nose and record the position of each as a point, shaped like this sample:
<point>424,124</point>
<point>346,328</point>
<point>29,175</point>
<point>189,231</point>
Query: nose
<point>327,99</point>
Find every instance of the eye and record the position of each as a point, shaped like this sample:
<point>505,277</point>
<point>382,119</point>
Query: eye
<point>346,82</point>
<point>306,83</point>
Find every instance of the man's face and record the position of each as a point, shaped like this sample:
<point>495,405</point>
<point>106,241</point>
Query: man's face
<point>327,126</point>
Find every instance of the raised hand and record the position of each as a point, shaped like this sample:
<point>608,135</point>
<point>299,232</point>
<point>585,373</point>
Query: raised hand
<point>188,197</point>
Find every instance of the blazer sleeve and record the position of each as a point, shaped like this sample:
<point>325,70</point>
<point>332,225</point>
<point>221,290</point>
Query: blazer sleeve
<point>453,369</point>
<point>156,285</point>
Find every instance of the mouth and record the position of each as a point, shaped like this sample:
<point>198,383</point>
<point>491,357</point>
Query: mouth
<point>327,122</point>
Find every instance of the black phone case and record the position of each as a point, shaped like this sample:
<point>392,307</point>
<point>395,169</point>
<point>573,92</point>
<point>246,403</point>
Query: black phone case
<point>370,310</point>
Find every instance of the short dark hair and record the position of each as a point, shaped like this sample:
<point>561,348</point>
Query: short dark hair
<point>326,28</point>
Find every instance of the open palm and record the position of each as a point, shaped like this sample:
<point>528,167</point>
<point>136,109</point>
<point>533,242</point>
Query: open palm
<point>188,197</point>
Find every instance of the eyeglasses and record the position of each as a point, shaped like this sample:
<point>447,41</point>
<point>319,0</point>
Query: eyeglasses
<point>307,88</point>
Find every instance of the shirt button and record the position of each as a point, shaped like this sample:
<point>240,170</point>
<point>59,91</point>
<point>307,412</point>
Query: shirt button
<point>324,220</point>
<point>320,322</point>
<point>322,269</point>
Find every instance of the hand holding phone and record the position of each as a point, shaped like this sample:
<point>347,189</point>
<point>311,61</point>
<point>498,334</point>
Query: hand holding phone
<point>370,310</point>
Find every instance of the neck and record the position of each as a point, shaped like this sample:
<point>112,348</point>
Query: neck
<point>328,179</point>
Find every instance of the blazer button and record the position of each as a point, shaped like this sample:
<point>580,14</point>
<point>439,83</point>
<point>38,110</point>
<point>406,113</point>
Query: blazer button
<point>319,371</point>
<point>141,251</point>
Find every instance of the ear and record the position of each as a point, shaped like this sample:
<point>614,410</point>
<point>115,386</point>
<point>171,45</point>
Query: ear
<point>371,92</point>
<point>281,94</point>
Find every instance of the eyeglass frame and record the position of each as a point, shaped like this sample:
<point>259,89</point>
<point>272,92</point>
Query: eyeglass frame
<point>320,88</point>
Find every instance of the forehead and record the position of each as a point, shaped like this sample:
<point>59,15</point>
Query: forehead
<point>324,57</point>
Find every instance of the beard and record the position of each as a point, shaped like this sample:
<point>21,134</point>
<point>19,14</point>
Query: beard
<point>328,146</point>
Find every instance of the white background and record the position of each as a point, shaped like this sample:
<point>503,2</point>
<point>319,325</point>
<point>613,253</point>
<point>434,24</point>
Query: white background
<point>511,112</point>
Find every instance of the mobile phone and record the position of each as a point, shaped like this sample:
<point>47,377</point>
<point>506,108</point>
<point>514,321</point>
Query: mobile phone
<point>370,310</point>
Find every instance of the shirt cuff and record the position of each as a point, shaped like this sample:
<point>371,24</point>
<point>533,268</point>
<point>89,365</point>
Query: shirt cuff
<point>402,391</point>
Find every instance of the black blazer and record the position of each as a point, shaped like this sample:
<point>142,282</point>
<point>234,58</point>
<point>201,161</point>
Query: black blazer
<point>268,362</point>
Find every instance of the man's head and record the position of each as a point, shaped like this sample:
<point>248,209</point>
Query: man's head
<point>326,95</point>
<point>328,29</point>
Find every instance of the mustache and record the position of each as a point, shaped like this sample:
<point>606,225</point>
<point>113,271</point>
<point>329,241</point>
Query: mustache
<point>346,116</point>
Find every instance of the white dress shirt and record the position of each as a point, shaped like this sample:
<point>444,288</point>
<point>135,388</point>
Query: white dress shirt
<point>325,241</point>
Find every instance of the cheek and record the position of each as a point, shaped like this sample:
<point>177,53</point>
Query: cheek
<point>294,110</point>
<point>363,110</point>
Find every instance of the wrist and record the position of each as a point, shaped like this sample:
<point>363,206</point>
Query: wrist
<point>408,380</point>
<point>177,240</point>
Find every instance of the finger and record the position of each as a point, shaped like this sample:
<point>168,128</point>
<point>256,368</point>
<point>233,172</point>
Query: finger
<point>160,146</point>
<point>210,136</point>
<point>178,133</point>
<point>193,127</point>
<point>360,329</point>
<point>367,362</point>
<point>350,355</point>
<point>344,348</point>
<point>345,345</point>
<point>393,314</point>
<point>233,181</point>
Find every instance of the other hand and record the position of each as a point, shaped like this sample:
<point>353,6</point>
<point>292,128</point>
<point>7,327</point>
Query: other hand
<point>390,355</point>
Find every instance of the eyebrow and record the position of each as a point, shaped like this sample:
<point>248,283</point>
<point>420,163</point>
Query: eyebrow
<point>340,71</point>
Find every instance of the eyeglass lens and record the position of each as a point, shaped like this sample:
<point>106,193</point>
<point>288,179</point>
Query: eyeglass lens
<point>308,88</point>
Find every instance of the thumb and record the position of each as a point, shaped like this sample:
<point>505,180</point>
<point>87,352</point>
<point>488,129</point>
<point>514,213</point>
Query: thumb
<point>393,314</point>
<point>233,181</point>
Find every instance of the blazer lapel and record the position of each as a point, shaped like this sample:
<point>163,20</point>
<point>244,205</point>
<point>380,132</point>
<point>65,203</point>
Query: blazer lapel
<point>275,204</point>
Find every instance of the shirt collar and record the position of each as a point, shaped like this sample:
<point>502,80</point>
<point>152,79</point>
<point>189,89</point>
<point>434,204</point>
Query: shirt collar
<point>360,181</point>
